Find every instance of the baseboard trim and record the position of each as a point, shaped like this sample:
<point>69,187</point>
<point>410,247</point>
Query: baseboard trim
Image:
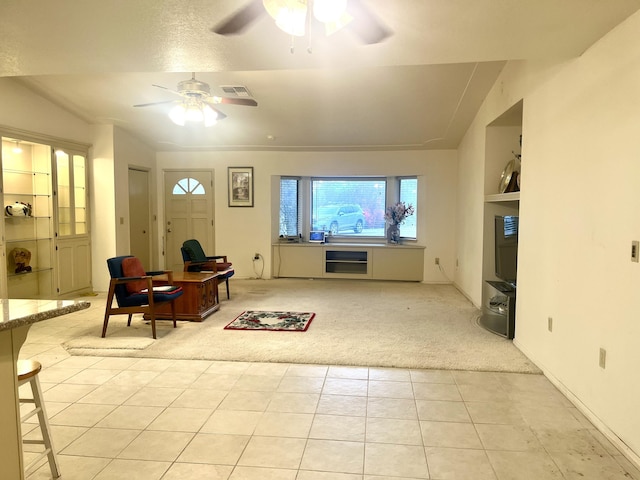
<point>609,434</point>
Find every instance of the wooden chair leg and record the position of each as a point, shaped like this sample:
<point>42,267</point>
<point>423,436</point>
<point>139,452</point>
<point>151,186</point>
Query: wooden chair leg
<point>129,320</point>
<point>153,323</point>
<point>107,310</point>
<point>173,312</point>
<point>106,322</point>
<point>227,283</point>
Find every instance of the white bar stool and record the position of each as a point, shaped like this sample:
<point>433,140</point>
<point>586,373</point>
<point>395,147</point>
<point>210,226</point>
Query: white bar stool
<point>28,372</point>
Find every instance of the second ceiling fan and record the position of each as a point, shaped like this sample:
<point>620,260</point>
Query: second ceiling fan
<point>197,103</point>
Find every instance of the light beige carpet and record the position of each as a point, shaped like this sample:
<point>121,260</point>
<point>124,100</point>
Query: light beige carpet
<point>358,322</point>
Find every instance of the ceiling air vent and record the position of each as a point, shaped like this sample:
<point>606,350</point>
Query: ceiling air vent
<point>236,91</point>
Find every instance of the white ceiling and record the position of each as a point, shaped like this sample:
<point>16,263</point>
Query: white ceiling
<point>420,88</point>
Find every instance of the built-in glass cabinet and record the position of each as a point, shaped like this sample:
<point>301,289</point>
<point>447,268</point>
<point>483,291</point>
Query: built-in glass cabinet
<point>28,218</point>
<point>45,233</point>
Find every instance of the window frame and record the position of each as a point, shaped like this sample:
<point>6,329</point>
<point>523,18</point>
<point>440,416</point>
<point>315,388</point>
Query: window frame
<point>342,237</point>
<point>415,204</point>
<point>299,201</point>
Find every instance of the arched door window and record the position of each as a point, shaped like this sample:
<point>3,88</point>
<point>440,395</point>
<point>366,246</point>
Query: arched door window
<point>188,185</point>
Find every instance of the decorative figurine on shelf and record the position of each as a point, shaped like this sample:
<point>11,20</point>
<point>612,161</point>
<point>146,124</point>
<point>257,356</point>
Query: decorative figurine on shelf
<point>18,209</point>
<point>395,216</point>
<point>510,179</point>
<point>21,258</point>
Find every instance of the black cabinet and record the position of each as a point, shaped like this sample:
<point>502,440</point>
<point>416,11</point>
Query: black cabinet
<point>499,311</point>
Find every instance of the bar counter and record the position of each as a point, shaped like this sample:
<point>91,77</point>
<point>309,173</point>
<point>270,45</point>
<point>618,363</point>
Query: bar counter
<point>16,317</point>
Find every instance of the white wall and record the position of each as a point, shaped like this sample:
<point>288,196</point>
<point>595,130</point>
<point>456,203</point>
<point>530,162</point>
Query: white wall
<point>131,152</point>
<point>102,198</point>
<point>19,107</point>
<point>578,216</point>
<point>240,232</point>
<point>113,152</point>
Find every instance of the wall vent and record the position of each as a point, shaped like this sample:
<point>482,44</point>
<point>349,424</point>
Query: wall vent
<point>236,91</point>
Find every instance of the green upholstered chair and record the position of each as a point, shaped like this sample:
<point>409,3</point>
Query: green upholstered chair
<point>195,260</point>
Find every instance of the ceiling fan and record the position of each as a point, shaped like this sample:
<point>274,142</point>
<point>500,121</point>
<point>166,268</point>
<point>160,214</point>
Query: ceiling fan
<point>293,16</point>
<point>197,103</point>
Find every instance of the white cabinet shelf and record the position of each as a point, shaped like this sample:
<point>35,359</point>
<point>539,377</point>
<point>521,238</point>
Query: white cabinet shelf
<point>364,261</point>
<point>502,197</point>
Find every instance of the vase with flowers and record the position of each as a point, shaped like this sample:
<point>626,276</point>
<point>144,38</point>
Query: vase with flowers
<point>394,216</point>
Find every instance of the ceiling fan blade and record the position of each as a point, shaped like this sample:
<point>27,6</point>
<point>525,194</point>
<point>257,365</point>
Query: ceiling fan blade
<point>366,25</point>
<point>167,89</point>
<point>155,103</point>
<point>221,116</point>
<point>247,102</point>
<point>239,21</point>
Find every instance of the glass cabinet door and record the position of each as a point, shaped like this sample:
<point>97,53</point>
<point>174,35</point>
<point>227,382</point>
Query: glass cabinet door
<point>64,193</point>
<point>80,194</point>
<point>71,193</point>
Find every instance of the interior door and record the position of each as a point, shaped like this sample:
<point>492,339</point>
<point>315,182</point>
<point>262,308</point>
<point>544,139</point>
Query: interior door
<point>140,216</point>
<point>188,212</point>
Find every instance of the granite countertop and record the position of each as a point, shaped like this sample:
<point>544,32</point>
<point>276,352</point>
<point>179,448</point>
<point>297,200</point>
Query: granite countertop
<point>18,312</point>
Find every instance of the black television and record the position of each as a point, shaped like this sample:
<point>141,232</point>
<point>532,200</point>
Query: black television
<point>506,254</point>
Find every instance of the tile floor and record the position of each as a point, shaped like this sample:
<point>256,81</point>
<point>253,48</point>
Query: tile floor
<point>128,418</point>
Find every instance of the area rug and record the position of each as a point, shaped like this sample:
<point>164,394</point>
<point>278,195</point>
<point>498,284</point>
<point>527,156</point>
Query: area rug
<point>358,322</point>
<point>278,321</point>
<point>113,343</point>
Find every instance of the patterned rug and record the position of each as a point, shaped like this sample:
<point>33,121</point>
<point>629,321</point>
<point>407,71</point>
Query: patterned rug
<point>281,321</point>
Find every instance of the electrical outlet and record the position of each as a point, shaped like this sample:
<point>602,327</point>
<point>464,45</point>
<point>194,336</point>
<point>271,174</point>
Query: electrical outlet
<point>437,260</point>
<point>550,324</point>
<point>635,245</point>
<point>602,361</point>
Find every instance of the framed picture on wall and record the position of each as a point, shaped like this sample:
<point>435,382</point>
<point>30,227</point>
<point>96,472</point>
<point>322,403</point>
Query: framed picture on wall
<point>240,186</point>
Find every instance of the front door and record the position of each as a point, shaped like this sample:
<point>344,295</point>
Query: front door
<point>189,213</point>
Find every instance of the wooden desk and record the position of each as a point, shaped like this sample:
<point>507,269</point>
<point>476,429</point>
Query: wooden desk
<point>16,317</point>
<point>199,300</point>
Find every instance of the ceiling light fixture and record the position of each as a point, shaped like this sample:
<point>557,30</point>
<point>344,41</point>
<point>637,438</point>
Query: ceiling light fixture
<point>292,16</point>
<point>17,149</point>
<point>193,110</point>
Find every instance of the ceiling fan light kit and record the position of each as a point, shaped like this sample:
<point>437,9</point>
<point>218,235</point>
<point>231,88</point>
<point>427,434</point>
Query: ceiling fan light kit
<point>295,16</point>
<point>291,15</point>
<point>329,10</point>
<point>193,112</point>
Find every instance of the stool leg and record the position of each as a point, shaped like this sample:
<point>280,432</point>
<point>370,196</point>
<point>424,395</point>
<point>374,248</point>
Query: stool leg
<point>44,426</point>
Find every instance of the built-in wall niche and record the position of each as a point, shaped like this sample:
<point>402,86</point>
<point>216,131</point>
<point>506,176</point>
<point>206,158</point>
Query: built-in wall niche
<point>28,218</point>
<point>503,143</point>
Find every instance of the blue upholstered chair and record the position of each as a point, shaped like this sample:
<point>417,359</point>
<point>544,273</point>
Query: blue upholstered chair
<point>134,291</point>
<point>195,260</point>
